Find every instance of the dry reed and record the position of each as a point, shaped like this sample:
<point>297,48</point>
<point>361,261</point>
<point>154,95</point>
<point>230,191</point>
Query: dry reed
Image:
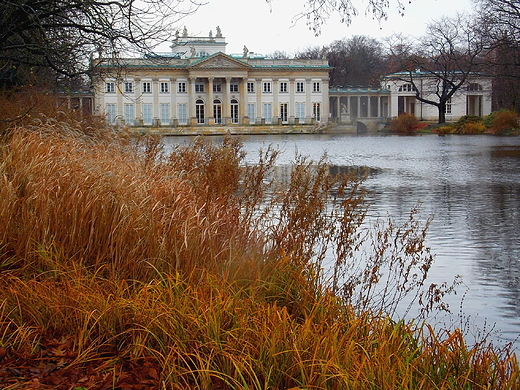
<point>195,267</point>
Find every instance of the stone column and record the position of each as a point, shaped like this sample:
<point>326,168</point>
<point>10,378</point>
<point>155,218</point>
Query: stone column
<point>226,108</point>
<point>209,103</point>
<point>192,98</point>
<point>326,104</point>
<point>276,109</point>
<point>155,105</point>
<point>292,103</point>
<point>258,100</point>
<point>173,102</point>
<point>120,106</point>
<point>138,100</point>
<point>308,100</point>
<point>242,111</point>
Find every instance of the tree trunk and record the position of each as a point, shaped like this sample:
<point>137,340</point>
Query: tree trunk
<point>442,113</point>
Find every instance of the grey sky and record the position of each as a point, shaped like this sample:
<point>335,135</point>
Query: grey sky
<point>265,29</point>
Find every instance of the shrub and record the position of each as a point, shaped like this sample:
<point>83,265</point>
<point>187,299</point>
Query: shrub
<point>503,121</point>
<point>404,123</point>
<point>469,124</point>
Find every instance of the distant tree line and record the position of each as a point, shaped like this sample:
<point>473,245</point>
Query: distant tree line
<point>53,40</point>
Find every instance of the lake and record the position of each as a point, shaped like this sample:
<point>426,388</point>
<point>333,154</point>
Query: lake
<point>471,187</point>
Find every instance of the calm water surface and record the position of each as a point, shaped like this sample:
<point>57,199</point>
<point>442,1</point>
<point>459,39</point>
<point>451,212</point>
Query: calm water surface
<point>471,187</point>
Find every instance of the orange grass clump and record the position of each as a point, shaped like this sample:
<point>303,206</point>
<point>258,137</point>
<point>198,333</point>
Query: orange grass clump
<point>126,267</point>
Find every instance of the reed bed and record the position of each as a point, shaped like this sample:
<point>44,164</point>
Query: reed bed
<point>126,267</point>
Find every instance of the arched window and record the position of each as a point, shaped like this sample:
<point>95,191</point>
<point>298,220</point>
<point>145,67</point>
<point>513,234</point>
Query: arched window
<point>234,111</point>
<point>217,110</point>
<point>199,111</point>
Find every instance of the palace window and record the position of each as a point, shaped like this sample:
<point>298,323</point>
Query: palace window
<point>474,87</point>
<point>217,111</point>
<point>316,87</point>
<point>147,87</point>
<point>250,87</point>
<point>267,87</point>
<point>267,112</point>
<point>129,113</point>
<point>300,110</point>
<point>234,111</point>
<point>199,88</point>
<point>164,111</point>
<point>129,87</point>
<point>181,87</point>
<point>110,87</point>
<point>316,111</point>
<point>199,111</point>
<point>299,86</point>
<point>147,114</point>
<point>283,112</point>
<point>407,88</point>
<point>251,110</point>
<point>447,109</point>
<point>283,87</point>
<point>217,87</point>
<point>111,113</point>
<point>233,87</point>
<point>182,113</point>
<point>164,87</point>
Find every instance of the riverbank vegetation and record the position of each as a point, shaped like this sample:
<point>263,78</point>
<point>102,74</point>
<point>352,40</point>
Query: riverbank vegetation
<point>503,122</point>
<point>124,266</point>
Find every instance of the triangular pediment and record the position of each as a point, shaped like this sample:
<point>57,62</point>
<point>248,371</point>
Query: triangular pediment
<point>219,61</point>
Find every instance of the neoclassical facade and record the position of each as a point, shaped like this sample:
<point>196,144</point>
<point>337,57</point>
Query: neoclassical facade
<point>473,98</point>
<point>199,84</point>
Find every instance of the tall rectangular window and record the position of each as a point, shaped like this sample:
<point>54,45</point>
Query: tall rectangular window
<point>250,87</point>
<point>164,109</point>
<point>283,87</point>
<point>283,112</point>
<point>316,87</point>
<point>129,87</point>
<point>182,113</point>
<point>111,113</point>
<point>316,112</point>
<point>147,113</point>
<point>299,86</point>
<point>164,87</point>
<point>181,87</point>
<point>300,110</point>
<point>110,87</point>
<point>129,114</point>
<point>233,87</point>
<point>251,110</point>
<point>267,87</point>
<point>147,87</point>
<point>267,112</point>
<point>447,109</point>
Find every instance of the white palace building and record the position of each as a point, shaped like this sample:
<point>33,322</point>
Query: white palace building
<point>198,87</point>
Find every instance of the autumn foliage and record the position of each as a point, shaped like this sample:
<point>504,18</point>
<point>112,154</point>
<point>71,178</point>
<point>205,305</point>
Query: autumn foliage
<point>126,266</point>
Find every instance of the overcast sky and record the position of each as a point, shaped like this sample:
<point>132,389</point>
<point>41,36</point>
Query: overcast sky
<point>265,28</point>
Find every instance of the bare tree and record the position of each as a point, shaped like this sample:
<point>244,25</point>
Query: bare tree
<point>61,35</point>
<point>439,64</point>
<point>499,23</point>
<point>357,60</point>
<point>317,12</point>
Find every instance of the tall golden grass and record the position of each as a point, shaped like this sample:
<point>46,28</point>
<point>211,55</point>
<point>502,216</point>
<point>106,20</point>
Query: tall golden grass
<point>205,267</point>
